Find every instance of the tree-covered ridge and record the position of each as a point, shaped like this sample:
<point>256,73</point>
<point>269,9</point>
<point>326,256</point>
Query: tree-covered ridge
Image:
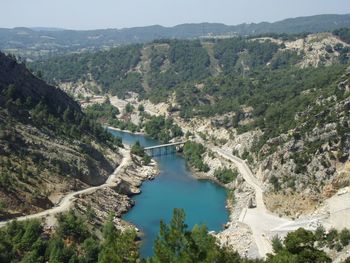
<point>118,70</point>
<point>44,42</point>
<point>31,100</point>
<point>113,70</point>
<point>172,63</point>
<point>155,70</point>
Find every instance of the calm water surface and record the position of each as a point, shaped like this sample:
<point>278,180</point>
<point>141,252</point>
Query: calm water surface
<point>203,201</point>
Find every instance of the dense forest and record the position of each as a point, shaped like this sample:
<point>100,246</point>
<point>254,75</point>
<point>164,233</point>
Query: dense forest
<point>73,241</point>
<point>176,65</point>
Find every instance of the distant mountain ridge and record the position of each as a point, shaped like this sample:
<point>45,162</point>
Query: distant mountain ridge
<point>41,42</point>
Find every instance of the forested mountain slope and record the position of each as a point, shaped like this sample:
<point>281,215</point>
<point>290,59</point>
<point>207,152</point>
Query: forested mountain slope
<point>283,100</point>
<point>43,43</point>
<point>156,70</point>
<point>47,145</point>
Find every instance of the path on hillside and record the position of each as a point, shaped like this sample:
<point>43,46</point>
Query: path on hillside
<point>259,219</point>
<point>264,224</point>
<point>67,200</point>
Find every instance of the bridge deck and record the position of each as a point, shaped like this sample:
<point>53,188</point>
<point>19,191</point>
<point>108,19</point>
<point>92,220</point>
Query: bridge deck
<point>163,145</point>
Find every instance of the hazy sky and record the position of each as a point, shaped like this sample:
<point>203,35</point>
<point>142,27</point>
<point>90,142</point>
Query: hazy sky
<point>92,14</point>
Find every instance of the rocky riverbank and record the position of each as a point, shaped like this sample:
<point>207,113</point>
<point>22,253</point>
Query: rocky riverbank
<point>97,206</point>
<point>236,234</point>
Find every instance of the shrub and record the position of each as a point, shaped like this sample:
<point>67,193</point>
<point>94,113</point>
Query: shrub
<point>226,175</point>
<point>137,149</point>
<point>344,237</point>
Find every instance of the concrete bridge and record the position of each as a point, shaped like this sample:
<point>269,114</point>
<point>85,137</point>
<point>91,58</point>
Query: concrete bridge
<point>163,149</point>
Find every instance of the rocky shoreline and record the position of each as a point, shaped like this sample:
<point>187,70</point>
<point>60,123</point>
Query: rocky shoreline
<point>96,207</point>
<point>236,234</point>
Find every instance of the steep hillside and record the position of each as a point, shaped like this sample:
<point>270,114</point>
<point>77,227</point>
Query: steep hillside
<point>281,101</point>
<point>47,145</point>
<point>43,43</point>
<point>156,70</point>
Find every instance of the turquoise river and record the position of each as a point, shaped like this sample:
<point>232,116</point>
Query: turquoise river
<point>175,187</point>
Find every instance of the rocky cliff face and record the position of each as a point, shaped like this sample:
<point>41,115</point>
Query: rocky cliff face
<point>47,145</point>
<point>306,165</point>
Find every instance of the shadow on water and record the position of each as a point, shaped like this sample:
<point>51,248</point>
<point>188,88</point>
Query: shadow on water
<point>175,187</point>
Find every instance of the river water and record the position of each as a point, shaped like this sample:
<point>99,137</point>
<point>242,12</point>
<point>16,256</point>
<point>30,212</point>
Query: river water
<point>175,187</point>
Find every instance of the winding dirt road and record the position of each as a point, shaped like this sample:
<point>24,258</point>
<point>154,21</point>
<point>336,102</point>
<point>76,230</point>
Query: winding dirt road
<point>258,219</point>
<point>67,201</point>
<point>264,224</point>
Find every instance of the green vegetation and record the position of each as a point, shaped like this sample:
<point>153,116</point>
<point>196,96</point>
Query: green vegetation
<point>161,128</point>
<point>333,239</point>
<point>252,54</point>
<point>129,108</point>
<point>276,97</point>
<point>67,122</point>
<point>193,153</point>
<point>298,246</point>
<point>110,69</point>
<point>226,175</point>
<point>157,127</point>
<point>138,150</point>
<point>44,138</point>
<point>176,243</point>
<point>188,61</point>
<point>72,242</point>
<point>106,113</point>
<point>103,113</point>
<point>343,34</point>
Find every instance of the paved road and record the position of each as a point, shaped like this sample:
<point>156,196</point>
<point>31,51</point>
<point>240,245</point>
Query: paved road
<point>67,201</point>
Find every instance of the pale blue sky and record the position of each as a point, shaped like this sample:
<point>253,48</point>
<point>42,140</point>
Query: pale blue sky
<point>92,14</point>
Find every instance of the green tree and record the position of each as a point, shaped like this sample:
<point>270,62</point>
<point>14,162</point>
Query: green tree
<point>175,243</point>
<point>299,246</point>
<point>344,237</point>
<point>116,246</point>
<point>129,108</point>
<point>137,149</point>
<point>141,108</point>
<point>72,226</point>
<point>276,244</point>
